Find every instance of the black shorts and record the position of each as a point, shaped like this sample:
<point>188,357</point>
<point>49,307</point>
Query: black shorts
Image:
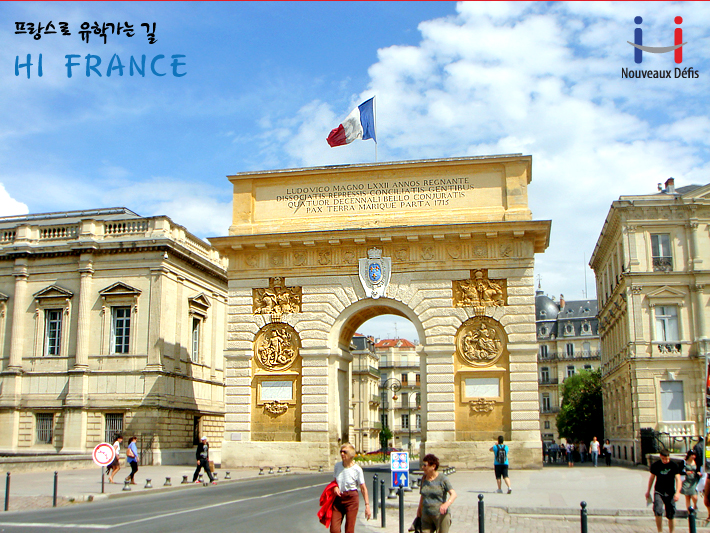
<point>501,471</point>
<point>660,501</point>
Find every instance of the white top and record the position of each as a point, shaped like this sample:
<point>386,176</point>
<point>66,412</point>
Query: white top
<point>594,446</point>
<point>349,478</point>
<point>117,447</point>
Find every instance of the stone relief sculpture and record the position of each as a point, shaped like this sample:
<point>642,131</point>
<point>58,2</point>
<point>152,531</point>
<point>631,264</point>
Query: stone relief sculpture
<point>276,407</point>
<point>481,405</point>
<point>276,346</point>
<point>480,341</point>
<point>479,291</point>
<point>277,299</point>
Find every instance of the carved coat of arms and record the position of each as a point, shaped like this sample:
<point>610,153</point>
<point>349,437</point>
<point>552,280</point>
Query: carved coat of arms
<point>276,346</point>
<point>375,273</point>
<point>480,341</point>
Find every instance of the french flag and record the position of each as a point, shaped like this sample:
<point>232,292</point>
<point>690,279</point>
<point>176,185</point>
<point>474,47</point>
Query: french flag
<point>360,124</point>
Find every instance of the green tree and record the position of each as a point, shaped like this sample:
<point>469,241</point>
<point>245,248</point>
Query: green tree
<point>581,416</point>
<point>385,436</point>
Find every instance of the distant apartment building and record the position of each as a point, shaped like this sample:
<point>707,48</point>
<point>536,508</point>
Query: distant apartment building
<point>652,267</point>
<point>365,427</point>
<point>109,322</point>
<point>400,409</point>
<point>568,339</point>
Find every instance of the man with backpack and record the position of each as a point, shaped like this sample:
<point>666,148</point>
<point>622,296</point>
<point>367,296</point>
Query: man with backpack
<point>500,463</point>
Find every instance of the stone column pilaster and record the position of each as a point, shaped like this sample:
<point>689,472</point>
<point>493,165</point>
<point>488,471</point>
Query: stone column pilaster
<point>86,273</point>
<point>156,337</point>
<point>314,395</point>
<point>438,394</point>
<point>21,274</point>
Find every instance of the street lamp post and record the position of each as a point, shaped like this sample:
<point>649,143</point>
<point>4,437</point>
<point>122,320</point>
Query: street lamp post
<point>395,386</point>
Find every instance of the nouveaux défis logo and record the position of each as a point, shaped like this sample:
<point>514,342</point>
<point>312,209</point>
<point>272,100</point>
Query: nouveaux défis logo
<point>676,48</point>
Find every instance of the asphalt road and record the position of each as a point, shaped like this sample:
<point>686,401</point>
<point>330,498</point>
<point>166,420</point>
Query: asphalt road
<point>282,504</point>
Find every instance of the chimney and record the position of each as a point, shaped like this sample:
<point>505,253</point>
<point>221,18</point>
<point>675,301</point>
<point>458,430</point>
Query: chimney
<point>562,301</point>
<point>670,186</point>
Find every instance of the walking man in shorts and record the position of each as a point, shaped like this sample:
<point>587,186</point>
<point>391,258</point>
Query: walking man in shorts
<point>500,463</point>
<point>666,473</point>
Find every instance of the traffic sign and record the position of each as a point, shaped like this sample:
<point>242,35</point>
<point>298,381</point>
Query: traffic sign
<point>103,454</point>
<point>400,478</point>
<point>399,461</point>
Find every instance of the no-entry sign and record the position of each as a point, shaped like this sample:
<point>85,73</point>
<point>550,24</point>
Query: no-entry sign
<point>103,454</point>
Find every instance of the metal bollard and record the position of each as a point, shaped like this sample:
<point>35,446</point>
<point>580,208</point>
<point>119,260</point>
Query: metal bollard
<point>214,475</point>
<point>280,471</point>
<point>261,471</point>
<point>199,478</point>
<point>227,476</point>
<point>393,493</point>
<point>288,469</point>
<point>167,483</point>
<point>481,515</point>
<point>692,512</point>
<point>54,496</point>
<point>184,480</point>
<point>320,469</point>
<point>400,490</point>
<point>148,484</point>
<point>126,485</point>
<point>382,499</point>
<point>374,497</point>
<point>583,516</point>
<point>7,491</point>
<point>271,470</point>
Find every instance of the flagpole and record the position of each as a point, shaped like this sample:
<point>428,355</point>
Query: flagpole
<point>374,113</point>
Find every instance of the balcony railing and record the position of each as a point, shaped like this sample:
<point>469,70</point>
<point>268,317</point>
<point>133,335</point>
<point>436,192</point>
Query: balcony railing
<point>547,410</point>
<point>549,381</point>
<point>560,356</point>
<point>662,264</point>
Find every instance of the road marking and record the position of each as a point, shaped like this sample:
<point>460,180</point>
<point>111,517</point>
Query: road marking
<point>149,518</point>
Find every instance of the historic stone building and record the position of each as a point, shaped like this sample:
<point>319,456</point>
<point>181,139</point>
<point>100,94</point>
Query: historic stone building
<point>400,382</point>
<point>652,269</point>
<point>568,338</point>
<point>313,253</point>
<point>109,322</point>
<point>365,429</point>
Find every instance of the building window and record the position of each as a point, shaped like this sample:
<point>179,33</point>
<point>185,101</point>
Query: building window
<point>545,374</point>
<point>661,252</point>
<point>52,331</point>
<point>586,349</point>
<point>404,380</point>
<point>570,371</point>
<point>666,323</point>
<point>114,425</point>
<point>672,401</point>
<point>588,367</point>
<point>569,347</point>
<point>419,421</point>
<point>543,351</point>
<point>405,421</point>
<point>120,329</point>
<point>195,353</point>
<point>547,424</point>
<point>45,428</point>
<point>546,406</point>
<point>195,430</point>
<point>417,379</point>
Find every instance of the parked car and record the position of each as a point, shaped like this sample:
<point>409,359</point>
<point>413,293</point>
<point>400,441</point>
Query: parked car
<point>385,451</point>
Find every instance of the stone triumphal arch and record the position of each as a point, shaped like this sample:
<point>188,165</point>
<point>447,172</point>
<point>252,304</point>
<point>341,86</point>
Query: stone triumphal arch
<point>315,252</point>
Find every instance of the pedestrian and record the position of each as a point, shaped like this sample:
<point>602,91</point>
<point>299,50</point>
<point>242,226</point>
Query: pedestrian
<point>666,474</point>
<point>115,466</point>
<point>203,461</point>
<point>691,470</point>
<point>500,463</point>
<point>545,452</point>
<point>554,450</point>
<point>582,451</point>
<point>594,450</point>
<point>436,496</point>
<point>132,458</point>
<point>570,454</point>
<point>349,477</point>
<point>699,450</point>
<point>607,452</point>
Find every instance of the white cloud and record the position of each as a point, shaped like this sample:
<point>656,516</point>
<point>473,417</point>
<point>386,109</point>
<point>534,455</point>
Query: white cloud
<point>545,80</point>
<point>9,206</point>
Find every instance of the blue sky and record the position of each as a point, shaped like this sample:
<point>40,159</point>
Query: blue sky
<point>267,81</point>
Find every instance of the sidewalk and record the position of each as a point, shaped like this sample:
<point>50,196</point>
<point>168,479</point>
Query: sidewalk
<point>32,490</point>
<point>546,500</point>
